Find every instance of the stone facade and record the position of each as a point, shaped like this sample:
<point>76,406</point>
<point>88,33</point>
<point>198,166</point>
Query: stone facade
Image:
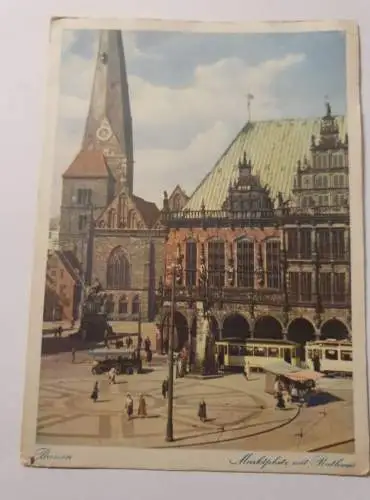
<point>284,265</point>
<point>145,254</point>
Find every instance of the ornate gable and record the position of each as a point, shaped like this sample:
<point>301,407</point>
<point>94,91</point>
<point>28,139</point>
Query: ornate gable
<point>177,199</point>
<point>128,212</point>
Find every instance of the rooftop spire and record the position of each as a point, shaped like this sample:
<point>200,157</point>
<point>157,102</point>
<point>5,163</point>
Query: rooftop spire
<point>109,123</point>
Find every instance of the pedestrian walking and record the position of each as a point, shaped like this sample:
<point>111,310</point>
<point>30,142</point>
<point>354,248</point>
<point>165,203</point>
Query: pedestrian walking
<point>73,354</point>
<point>129,406</point>
<point>280,402</point>
<point>202,411</point>
<point>95,393</point>
<point>149,356</point>
<point>60,331</point>
<point>112,376</point>
<point>141,411</point>
<point>165,388</point>
<point>247,370</point>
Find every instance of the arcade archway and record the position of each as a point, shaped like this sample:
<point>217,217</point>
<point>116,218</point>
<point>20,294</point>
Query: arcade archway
<point>334,329</point>
<point>181,332</point>
<point>235,326</point>
<point>268,327</point>
<point>300,330</point>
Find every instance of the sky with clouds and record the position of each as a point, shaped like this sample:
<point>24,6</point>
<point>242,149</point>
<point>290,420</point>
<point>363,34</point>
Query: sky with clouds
<point>188,95</point>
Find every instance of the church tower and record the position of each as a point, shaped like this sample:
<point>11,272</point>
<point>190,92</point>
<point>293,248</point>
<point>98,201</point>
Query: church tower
<point>109,122</point>
<point>104,166</point>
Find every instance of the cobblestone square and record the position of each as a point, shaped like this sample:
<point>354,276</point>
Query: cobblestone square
<point>240,415</point>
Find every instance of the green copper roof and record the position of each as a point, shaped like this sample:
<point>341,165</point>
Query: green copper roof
<point>274,147</point>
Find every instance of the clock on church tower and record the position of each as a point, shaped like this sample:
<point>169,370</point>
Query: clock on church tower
<point>104,132</point>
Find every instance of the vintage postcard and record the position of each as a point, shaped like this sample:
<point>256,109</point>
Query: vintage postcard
<point>198,297</point>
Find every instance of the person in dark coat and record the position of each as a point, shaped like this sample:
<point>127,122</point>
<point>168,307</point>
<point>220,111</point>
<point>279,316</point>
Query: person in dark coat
<point>202,411</point>
<point>316,363</point>
<point>165,388</point>
<point>95,393</point>
<point>149,356</point>
<point>280,403</point>
<point>221,360</point>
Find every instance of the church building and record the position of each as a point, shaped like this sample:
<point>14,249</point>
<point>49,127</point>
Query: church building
<point>116,235</point>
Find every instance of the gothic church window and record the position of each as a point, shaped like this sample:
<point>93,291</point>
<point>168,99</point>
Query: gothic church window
<point>273,263</point>
<point>118,271</point>
<point>135,305</point>
<point>191,263</point>
<point>216,263</point>
<point>122,305</point>
<point>245,263</point>
<point>82,222</point>
<point>84,196</point>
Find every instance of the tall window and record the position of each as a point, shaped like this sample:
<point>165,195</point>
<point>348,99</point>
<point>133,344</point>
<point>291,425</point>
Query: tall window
<point>321,181</point>
<point>273,264</point>
<point>323,243</point>
<point>325,286</point>
<point>338,249</point>
<point>216,263</point>
<point>339,287</point>
<point>245,263</point>
<point>292,237</point>
<point>122,305</point>
<point>300,286</point>
<point>84,196</point>
<point>191,263</point>
<point>305,248</point>
<point>136,305</point>
<point>306,286</point>
<point>294,284</point>
<point>118,270</point>
<point>82,222</point>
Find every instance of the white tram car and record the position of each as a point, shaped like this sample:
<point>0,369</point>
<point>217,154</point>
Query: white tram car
<point>335,357</point>
<point>257,352</point>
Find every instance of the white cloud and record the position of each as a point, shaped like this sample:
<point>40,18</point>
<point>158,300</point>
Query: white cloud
<point>179,133</point>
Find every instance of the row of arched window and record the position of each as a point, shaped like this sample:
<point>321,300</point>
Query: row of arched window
<point>123,305</point>
<point>245,263</point>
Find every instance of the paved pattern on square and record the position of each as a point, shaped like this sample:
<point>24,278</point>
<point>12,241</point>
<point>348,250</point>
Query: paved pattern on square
<point>240,414</point>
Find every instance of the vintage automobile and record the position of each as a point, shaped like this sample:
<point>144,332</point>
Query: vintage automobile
<point>123,360</point>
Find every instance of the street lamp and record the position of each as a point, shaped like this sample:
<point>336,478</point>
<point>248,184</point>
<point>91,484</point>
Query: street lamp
<point>169,429</point>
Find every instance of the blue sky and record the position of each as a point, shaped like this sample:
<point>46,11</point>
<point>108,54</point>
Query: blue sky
<point>188,95</point>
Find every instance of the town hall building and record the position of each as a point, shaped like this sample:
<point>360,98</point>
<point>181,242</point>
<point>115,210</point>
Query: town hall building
<point>264,241</point>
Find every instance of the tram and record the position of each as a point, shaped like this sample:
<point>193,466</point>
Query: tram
<point>257,352</point>
<point>334,356</point>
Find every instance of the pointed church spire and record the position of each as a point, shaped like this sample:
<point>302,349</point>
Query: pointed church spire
<point>109,123</point>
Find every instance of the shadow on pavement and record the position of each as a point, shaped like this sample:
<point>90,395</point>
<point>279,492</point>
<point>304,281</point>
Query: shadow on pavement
<point>323,398</point>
